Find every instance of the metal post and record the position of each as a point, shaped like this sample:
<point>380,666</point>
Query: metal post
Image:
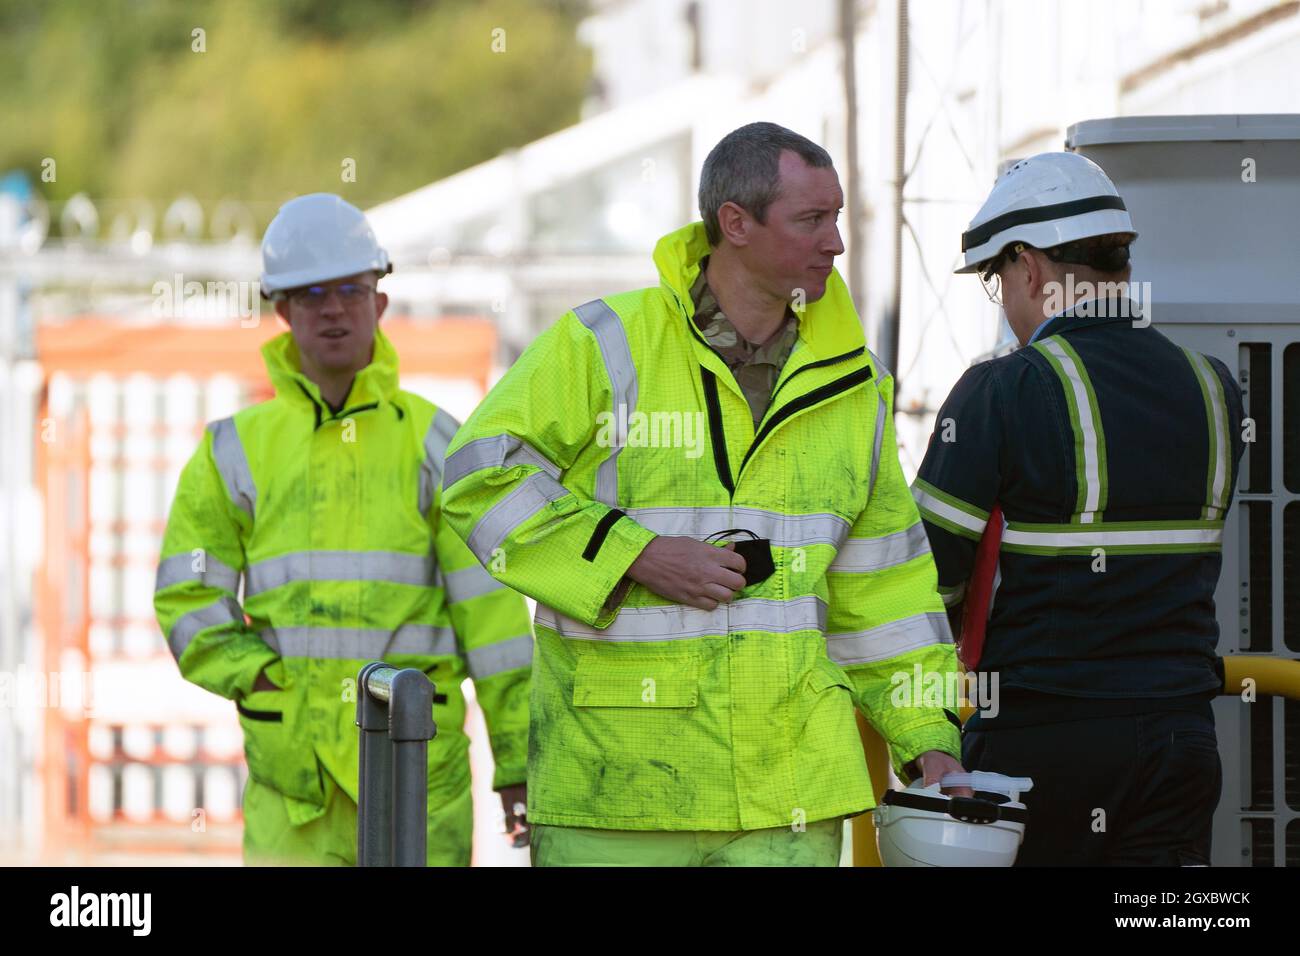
<point>374,812</point>
<point>410,722</point>
<point>889,342</point>
<point>854,187</point>
<point>395,717</point>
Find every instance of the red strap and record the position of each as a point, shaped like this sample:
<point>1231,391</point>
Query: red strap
<point>979,593</point>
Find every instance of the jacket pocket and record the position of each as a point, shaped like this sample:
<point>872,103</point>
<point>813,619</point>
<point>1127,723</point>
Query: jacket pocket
<point>600,681</point>
<point>827,674</point>
<point>825,702</point>
<point>277,755</point>
<point>827,751</point>
<point>274,716</point>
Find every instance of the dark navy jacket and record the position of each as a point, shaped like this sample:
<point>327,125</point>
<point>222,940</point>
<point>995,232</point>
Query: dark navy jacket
<point>1113,455</point>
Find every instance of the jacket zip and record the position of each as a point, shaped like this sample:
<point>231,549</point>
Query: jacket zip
<point>816,396</point>
<point>709,380</point>
<point>823,393</point>
<point>343,414</point>
<point>720,459</point>
<point>820,363</point>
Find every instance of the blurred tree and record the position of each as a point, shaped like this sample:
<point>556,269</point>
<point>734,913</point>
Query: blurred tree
<point>284,96</point>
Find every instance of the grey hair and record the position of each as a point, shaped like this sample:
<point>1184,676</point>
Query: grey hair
<point>744,168</point>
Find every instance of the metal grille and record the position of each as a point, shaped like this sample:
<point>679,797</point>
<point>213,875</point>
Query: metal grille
<point>1268,563</point>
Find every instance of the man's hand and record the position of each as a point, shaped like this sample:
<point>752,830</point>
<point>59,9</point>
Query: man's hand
<point>689,571</point>
<point>934,764</point>
<point>263,682</point>
<point>514,799</point>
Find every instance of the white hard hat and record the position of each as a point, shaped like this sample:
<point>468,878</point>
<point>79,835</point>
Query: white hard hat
<point>920,826</point>
<point>316,238</point>
<point>1044,201</point>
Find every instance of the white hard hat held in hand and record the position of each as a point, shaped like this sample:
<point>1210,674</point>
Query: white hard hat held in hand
<point>920,826</point>
<point>316,238</point>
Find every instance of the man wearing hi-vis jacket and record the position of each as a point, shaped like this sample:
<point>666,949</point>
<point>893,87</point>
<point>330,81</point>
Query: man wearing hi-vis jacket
<point>693,704</point>
<point>326,501</point>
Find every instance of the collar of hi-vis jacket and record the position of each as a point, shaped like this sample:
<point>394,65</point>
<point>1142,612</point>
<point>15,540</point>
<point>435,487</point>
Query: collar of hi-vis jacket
<point>375,383</point>
<point>828,327</point>
<point>1097,312</point>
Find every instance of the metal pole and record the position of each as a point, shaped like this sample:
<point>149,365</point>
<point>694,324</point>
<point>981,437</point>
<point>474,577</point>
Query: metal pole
<point>395,714</point>
<point>410,720</point>
<point>893,321</point>
<point>374,806</point>
<point>853,185</point>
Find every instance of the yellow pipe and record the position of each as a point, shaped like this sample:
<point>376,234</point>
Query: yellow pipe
<point>1270,675</point>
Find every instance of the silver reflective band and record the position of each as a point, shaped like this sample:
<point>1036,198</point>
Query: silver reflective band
<point>674,622</point>
<point>495,451</point>
<point>1101,537</point>
<point>441,431</point>
<point>889,640</point>
<point>784,531</point>
<point>528,498</point>
<point>502,656</point>
<point>232,465</point>
<point>1088,429</point>
<point>355,643</point>
<point>610,335</point>
<point>179,568</point>
<point>861,555</point>
<point>951,597</point>
<point>224,611</point>
<point>932,504</point>
<point>882,372</point>
<point>395,566</point>
<point>468,583</point>
<point>1219,414</point>
<point>877,442</point>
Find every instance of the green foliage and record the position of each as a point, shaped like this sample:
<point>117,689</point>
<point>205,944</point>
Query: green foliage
<point>285,92</point>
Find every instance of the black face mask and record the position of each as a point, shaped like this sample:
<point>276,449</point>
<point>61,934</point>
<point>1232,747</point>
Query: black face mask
<point>757,553</point>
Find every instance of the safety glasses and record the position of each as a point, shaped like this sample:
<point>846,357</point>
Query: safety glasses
<point>990,276</point>
<point>314,297</point>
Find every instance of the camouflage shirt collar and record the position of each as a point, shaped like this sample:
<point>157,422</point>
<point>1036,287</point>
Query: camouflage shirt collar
<point>726,339</point>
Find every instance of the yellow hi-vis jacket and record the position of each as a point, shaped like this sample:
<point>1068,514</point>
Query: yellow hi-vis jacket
<point>334,523</point>
<point>619,423</point>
